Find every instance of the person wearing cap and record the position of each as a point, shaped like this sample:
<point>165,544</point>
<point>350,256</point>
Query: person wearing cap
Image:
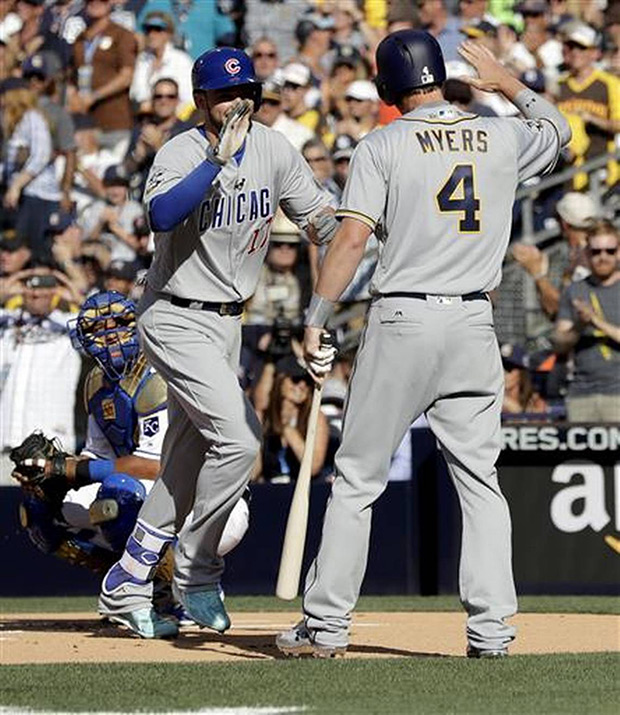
<point>350,27</point>
<point>65,238</point>
<point>347,66</point>
<point>519,394</point>
<point>120,276</point>
<point>474,12</point>
<point>15,256</point>
<point>271,114</point>
<point>278,291</point>
<point>589,98</point>
<point>576,212</point>
<point>445,27</point>
<point>160,59</point>
<point>39,365</point>
<point>313,34</point>
<point>362,102</point>
<point>341,151</point>
<point>39,70</point>
<point>296,85</point>
<point>32,191</point>
<point>588,328</point>
<point>286,422</point>
<point>156,128</point>
<point>35,36</point>
<point>264,53</point>
<point>104,56</point>
<point>199,25</point>
<point>112,220</point>
<point>10,23</point>
<point>535,47</point>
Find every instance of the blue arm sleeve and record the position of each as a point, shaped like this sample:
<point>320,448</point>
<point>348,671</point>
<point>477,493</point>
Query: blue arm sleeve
<point>173,206</point>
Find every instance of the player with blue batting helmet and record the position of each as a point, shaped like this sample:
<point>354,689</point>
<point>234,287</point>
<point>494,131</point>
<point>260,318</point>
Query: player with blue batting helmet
<point>116,508</point>
<point>408,60</point>
<point>105,329</point>
<point>223,68</point>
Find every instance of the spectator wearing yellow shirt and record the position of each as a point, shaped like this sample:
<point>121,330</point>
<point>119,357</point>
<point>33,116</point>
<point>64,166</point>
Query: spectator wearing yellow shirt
<point>296,79</point>
<point>590,99</point>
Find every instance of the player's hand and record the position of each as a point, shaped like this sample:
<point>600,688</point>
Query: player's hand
<point>491,73</point>
<point>318,356</point>
<point>234,130</point>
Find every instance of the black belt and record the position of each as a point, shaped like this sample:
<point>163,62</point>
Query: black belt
<point>221,308</point>
<point>424,296</point>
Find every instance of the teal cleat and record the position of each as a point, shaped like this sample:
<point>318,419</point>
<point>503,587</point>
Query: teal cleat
<point>146,623</point>
<point>205,608</point>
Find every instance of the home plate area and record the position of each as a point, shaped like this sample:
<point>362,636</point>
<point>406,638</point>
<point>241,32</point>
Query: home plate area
<point>82,637</point>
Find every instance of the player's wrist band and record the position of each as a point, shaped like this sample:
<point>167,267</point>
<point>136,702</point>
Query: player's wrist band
<point>319,311</point>
<point>93,470</point>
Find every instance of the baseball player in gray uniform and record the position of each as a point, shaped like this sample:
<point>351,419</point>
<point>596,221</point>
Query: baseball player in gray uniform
<point>440,182</point>
<point>211,197</point>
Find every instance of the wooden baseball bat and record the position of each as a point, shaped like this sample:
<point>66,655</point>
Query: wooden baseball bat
<point>297,524</point>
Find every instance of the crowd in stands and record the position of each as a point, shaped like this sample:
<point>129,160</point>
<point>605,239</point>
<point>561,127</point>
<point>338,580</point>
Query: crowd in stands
<point>91,89</point>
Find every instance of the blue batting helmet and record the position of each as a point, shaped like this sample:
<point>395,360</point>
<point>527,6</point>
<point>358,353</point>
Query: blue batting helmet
<point>122,497</point>
<point>406,60</point>
<point>225,67</point>
<point>105,329</point>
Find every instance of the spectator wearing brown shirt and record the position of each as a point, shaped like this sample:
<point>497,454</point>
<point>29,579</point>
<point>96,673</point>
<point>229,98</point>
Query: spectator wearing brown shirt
<point>104,57</point>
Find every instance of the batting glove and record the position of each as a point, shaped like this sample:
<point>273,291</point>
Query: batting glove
<point>234,130</point>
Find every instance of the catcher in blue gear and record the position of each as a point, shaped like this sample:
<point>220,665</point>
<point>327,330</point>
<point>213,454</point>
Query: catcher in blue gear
<point>84,508</point>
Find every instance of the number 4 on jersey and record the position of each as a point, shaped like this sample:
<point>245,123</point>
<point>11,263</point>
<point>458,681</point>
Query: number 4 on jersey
<point>458,194</point>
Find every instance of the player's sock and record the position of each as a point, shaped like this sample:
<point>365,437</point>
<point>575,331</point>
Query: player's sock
<point>145,547</point>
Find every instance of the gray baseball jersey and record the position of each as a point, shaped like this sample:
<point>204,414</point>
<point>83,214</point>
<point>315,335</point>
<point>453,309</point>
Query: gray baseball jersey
<point>441,184</point>
<point>234,220</point>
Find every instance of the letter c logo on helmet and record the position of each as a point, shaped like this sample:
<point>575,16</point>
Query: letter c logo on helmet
<point>225,67</point>
<point>406,60</point>
<point>232,66</point>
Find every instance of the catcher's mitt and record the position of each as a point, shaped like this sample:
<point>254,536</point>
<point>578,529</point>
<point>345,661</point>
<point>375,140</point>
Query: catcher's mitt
<point>42,467</point>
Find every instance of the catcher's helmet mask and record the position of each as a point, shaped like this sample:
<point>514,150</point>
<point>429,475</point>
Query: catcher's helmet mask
<point>223,68</point>
<point>408,60</point>
<point>105,329</point>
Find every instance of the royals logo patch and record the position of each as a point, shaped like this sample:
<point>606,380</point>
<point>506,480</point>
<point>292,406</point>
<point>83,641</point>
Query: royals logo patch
<point>109,409</point>
<point>150,426</point>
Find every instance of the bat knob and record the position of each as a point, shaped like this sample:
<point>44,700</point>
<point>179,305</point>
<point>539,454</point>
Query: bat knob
<point>328,339</point>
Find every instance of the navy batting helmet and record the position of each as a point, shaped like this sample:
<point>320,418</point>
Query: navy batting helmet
<point>406,60</point>
<point>225,67</point>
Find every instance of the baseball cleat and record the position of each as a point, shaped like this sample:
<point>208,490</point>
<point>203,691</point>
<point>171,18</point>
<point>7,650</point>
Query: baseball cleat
<point>473,652</point>
<point>205,608</point>
<point>299,641</point>
<point>146,623</point>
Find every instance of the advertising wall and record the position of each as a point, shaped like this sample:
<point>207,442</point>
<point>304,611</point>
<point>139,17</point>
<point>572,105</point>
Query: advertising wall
<point>562,484</point>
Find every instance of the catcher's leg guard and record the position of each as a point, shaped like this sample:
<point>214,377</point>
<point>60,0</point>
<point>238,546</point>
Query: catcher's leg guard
<point>127,588</point>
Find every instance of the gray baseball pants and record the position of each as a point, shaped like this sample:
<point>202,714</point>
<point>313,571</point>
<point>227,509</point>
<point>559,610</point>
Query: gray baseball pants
<point>439,357</point>
<point>213,436</point>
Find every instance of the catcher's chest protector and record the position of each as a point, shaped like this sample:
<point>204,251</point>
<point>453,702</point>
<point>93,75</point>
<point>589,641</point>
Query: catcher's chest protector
<point>112,405</point>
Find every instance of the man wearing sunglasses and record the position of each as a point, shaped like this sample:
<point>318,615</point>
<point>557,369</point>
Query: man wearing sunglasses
<point>588,97</point>
<point>589,324</point>
<point>155,128</point>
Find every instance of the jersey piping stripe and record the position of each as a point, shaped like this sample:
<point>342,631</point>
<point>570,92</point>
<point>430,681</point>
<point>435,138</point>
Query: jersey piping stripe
<point>348,213</point>
<point>438,121</point>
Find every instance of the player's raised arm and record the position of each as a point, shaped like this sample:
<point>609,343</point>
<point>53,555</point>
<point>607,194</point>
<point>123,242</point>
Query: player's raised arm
<point>494,77</point>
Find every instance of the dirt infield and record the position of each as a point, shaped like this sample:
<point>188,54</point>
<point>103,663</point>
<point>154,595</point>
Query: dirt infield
<point>79,637</point>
